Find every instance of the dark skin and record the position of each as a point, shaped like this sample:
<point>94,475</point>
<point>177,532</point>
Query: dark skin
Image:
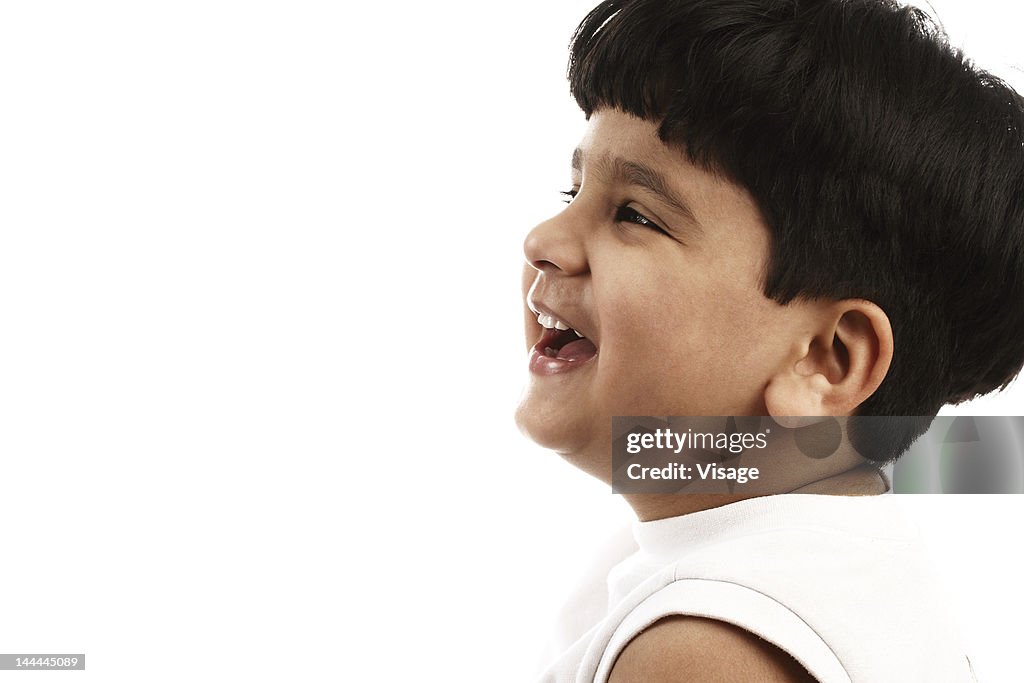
<point>683,649</point>
<point>642,222</point>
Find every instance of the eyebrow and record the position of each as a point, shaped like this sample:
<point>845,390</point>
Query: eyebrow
<point>640,175</point>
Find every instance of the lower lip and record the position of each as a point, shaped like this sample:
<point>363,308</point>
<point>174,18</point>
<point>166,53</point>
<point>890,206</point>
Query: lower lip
<point>543,364</point>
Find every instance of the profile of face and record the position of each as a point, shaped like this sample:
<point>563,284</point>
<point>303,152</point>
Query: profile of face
<point>657,264</point>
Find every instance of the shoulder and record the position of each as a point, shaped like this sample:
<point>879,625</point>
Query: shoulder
<point>698,650</point>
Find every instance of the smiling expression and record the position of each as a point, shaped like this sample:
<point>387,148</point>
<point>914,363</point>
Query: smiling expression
<point>657,264</point>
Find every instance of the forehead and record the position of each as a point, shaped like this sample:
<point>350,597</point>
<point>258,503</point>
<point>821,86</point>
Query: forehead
<point>613,136</point>
<point>611,131</point>
<point>726,212</point>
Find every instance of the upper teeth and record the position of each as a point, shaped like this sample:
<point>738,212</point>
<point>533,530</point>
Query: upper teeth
<point>551,322</point>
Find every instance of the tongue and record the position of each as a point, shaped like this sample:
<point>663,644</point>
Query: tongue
<point>581,349</point>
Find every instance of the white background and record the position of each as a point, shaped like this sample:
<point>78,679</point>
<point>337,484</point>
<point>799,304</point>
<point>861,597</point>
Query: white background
<point>260,344</point>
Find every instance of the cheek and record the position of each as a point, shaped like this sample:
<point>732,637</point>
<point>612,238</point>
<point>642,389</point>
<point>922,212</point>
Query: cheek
<point>699,350</point>
<point>651,346</point>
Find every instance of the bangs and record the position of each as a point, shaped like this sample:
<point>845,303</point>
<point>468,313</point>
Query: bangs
<point>717,77</point>
<point>886,166</point>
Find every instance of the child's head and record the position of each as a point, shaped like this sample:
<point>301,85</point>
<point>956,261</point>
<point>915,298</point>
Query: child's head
<point>781,207</point>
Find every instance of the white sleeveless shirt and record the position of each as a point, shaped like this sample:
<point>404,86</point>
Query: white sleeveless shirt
<point>841,583</point>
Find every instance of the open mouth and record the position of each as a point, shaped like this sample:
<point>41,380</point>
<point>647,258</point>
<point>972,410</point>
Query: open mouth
<point>561,348</point>
<point>567,345</point>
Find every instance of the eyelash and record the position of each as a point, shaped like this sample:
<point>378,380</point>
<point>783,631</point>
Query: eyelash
<point>624,214</point>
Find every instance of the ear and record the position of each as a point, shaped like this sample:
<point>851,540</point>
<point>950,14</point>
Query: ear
<point>835,366</point>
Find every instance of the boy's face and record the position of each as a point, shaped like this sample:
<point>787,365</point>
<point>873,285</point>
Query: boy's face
<point>658,264</point>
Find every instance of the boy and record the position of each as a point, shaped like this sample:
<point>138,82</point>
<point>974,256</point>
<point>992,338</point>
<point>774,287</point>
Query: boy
<point>779,208</point>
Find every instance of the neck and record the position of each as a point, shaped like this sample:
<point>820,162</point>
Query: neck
<point>862,480</point>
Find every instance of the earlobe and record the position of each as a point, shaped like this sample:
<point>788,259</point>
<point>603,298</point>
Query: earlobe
<point>838,366</point>
<point>795,392</point>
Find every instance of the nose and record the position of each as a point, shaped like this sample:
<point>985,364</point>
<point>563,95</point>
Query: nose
<point>557,246</point>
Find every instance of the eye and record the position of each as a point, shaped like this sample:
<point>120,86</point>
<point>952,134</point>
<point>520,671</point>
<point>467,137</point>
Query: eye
<point>569,195</point>
<point>626,214</point>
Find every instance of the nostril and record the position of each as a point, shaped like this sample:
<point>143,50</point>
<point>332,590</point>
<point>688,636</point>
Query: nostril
<point>554,246</point>
<point>543,265</point>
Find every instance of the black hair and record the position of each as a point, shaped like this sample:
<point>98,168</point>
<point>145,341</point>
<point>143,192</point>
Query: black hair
<point>885,164</point>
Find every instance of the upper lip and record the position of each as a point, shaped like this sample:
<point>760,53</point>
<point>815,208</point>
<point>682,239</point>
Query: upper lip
<point>539,307</point>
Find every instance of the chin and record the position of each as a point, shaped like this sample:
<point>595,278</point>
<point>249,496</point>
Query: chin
<point>578,442</point>
<point>547,424</point>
